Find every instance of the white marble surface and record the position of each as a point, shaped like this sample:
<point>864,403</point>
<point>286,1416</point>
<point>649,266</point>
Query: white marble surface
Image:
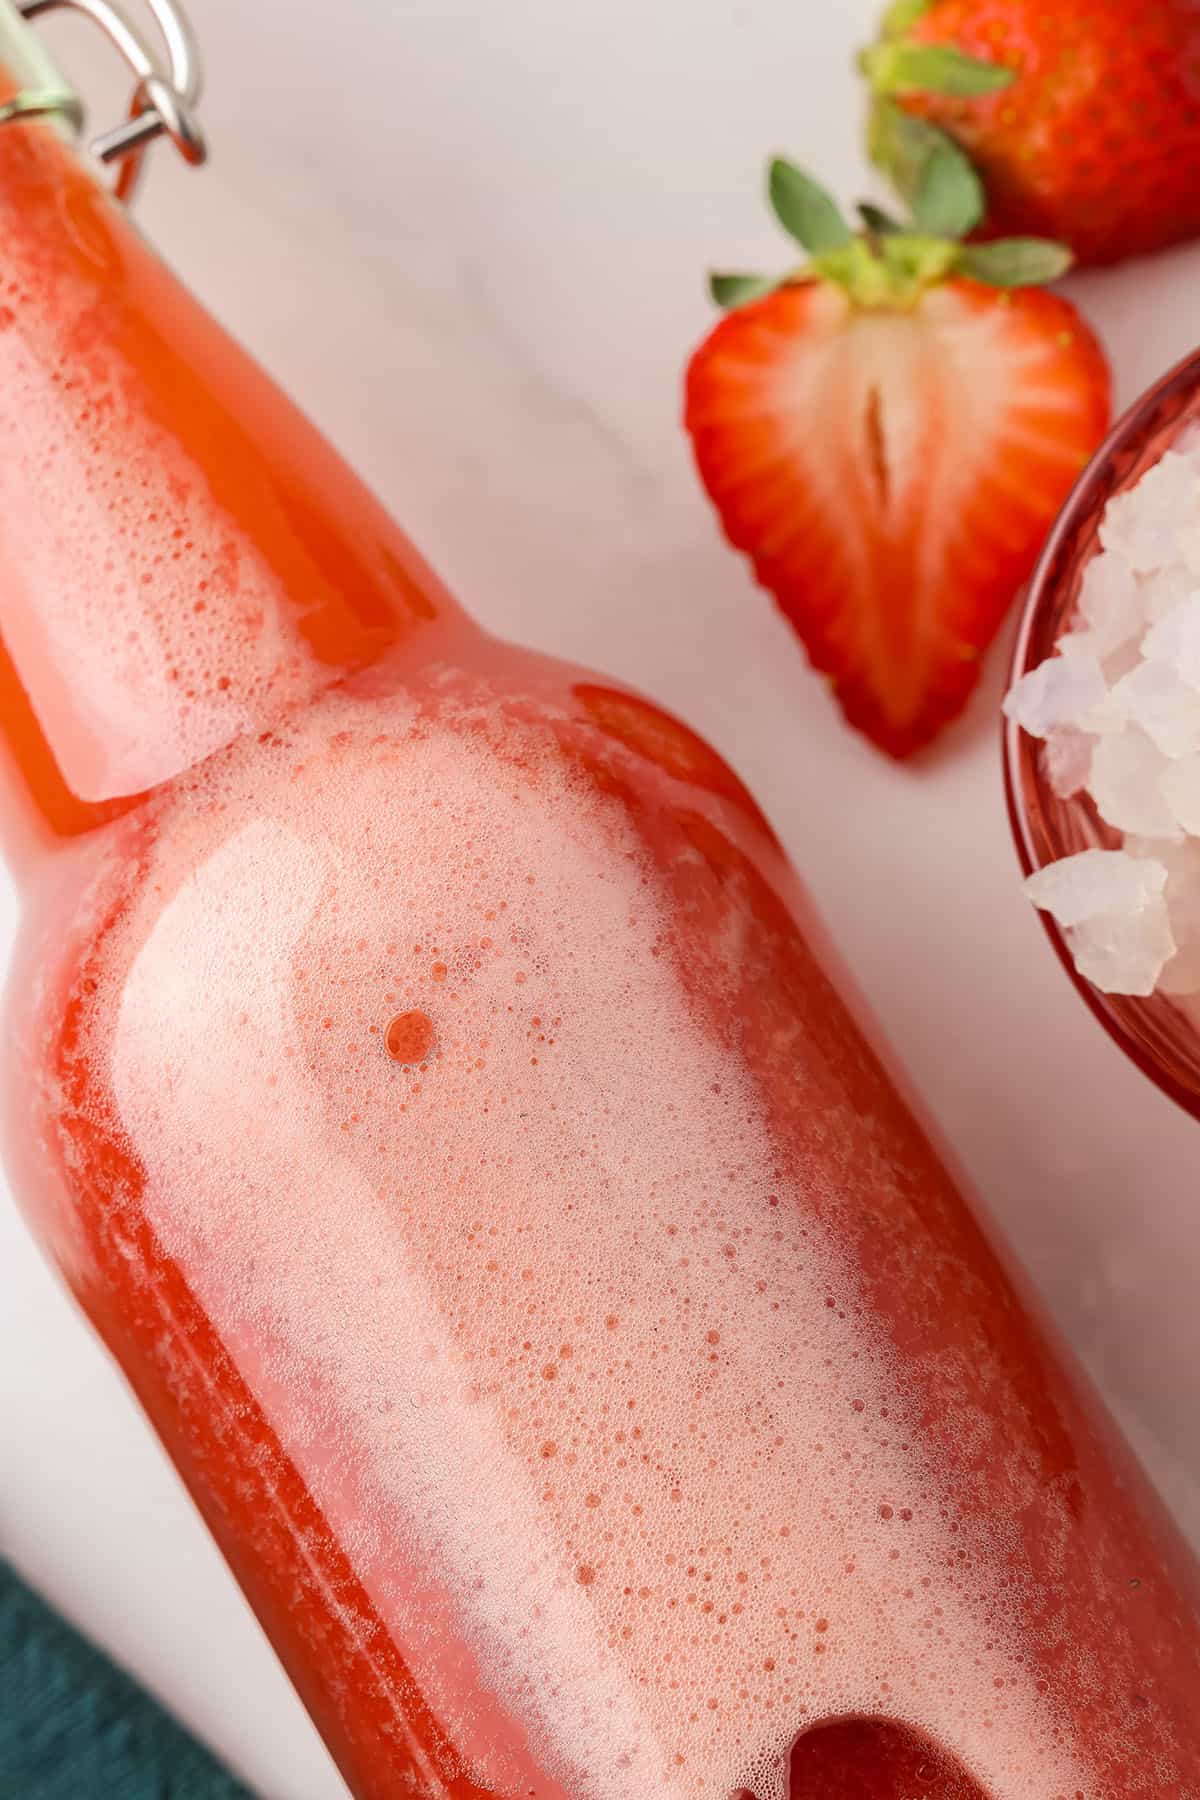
<point>471,239</point>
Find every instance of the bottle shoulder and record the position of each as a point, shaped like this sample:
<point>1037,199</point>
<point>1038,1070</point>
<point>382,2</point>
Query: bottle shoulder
<point>504,777</point>
<point>455,896</point>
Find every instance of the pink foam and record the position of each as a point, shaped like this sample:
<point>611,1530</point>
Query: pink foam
<point>589,1399</point>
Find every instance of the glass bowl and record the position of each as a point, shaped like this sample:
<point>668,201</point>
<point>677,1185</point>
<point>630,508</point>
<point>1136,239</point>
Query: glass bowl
<point>1157,1033</point>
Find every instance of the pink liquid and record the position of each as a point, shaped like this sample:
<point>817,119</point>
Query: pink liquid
<point>602,1384</point>
<point>570,1348</point>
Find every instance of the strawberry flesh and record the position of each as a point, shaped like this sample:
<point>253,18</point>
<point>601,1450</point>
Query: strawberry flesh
<point>892,473</point>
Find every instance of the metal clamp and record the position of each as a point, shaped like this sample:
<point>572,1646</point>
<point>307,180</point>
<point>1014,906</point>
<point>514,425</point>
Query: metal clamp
<point>164,98</point>
<point>45,103</point>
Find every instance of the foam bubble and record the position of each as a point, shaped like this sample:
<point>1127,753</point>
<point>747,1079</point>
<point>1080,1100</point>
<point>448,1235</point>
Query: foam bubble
<point>625,1465</point>
<point>168,635</point>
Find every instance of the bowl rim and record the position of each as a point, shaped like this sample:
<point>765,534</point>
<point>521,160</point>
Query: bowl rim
<point>1168,397</point>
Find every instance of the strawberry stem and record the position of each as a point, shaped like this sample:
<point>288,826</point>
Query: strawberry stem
<point>868,278</point>
<point>915,262</point>
<point>878,222</point>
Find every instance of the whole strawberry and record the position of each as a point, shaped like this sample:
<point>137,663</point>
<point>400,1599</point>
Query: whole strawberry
<point>1082,116</point>
<point>888,434</point>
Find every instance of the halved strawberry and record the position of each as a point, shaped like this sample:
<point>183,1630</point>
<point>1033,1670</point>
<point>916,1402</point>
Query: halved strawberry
<point>888,440</point>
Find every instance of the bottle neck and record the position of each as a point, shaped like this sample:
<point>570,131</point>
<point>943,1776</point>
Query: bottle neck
<point>181,553</point>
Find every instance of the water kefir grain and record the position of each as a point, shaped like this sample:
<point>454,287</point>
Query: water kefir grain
<point>582,1393</point>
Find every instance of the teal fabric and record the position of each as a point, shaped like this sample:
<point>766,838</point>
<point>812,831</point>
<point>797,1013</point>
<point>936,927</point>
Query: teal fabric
<point>73,1727</point>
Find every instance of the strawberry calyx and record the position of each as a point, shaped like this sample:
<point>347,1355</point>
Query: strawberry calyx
<point>897,64</point>
<point>889,262</point>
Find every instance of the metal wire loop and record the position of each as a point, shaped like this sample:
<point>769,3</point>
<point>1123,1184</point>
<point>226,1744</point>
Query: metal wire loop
<point>164,98</point>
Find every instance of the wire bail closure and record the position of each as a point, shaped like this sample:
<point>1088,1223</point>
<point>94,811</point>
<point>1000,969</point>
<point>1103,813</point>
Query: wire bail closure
<point>164,96</point>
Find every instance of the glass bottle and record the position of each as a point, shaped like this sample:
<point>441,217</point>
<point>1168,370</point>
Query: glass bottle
<point>427,1075</point>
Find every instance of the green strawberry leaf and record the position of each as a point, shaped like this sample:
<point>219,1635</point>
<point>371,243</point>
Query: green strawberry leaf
<point>928,170</point>
<point>896,68</point>
<point>1015,262</point>
<point>949,199</point>
<point>902,15</point>
<point>805,210</point>
<point>730,290</point>
<point>876,220</point>
<point>899,145</point>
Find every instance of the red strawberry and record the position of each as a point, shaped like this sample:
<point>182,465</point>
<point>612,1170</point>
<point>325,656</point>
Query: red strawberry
<point>888,440</point>
<point>1082,116</point>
